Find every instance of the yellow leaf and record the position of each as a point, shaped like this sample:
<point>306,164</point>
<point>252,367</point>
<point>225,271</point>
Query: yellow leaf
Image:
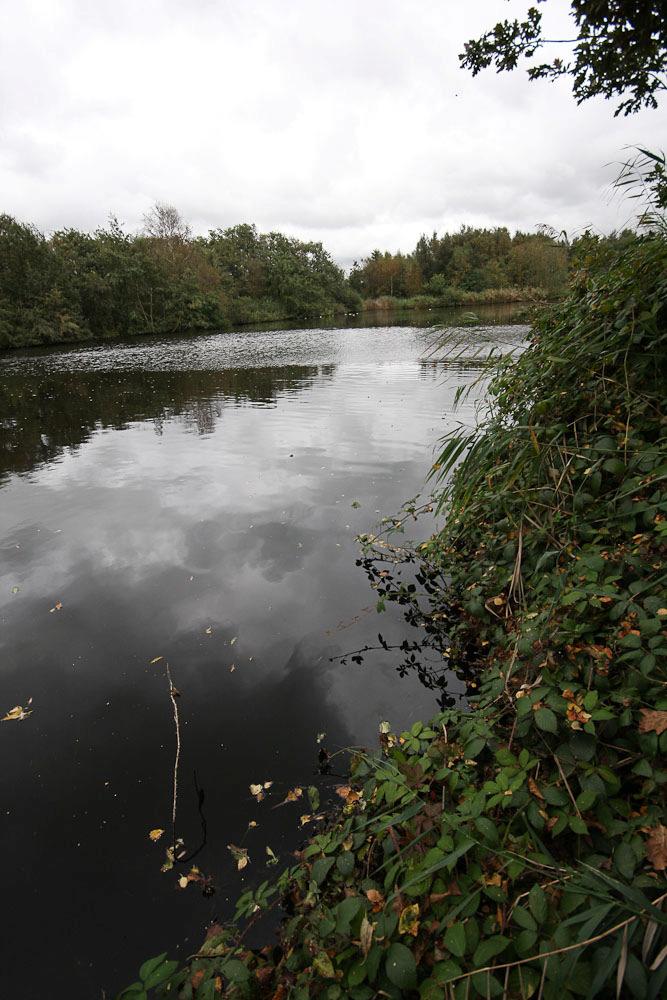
<point>155,834</point>
<point>293,795</point>
<point>156,659</point>
<point>240,855</point>
<point>273,860</point>
<point>408,922</point>
<point>17,714</point>
<point>183,882</point>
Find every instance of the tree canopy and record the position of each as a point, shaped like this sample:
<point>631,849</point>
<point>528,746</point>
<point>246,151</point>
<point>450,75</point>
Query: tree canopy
<point>619,49</point>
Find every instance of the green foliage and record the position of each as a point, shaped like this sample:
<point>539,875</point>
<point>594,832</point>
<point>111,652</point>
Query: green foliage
<point>619,48</point>
<point>459,268</point>
<point>513,846</point>
<point>76,286</point>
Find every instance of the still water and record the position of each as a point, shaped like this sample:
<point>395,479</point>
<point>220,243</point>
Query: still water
<point>195,499</point>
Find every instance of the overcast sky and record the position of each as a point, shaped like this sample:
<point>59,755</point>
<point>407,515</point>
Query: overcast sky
<point>345,121</point>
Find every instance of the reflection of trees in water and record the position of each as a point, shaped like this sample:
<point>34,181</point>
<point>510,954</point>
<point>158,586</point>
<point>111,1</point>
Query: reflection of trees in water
<point>42,414</point>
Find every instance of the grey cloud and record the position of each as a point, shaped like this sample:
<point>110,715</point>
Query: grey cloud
<point>343,122</point>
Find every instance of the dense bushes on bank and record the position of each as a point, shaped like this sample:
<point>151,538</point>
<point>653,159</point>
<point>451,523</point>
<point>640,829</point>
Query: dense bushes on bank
<point>515,846</point>
<point>76,286</point>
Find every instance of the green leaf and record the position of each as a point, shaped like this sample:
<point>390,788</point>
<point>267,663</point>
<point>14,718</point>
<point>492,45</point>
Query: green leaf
<point>161,974</point>
<point>321,869</point>
<point>455,940</point>
<point>487,829</point>
<point>474,748</point>
<point>322,964</point>
<point>345,863</point>
<point>400,967</point>
<point>546,720</point>
<point>346,912</point>
<point>625,860</point>
<point>586,799</point>
<point>489,948</point>
<point>537,901</point>
<point>522,917</point>
<point>150,965</point>
<point>235,971</point>
<point>577,825</point>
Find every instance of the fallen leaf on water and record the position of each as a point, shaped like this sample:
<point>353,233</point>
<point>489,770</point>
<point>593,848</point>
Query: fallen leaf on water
<point>656,847</point>
<point>252,824</point>
<point>17,714</point>
<point>273,860</point>
<point>233,641</point>
<point>258,791</point>
<point>209,630</point>
<point>174,849</point>
<point>56,607</point>
<point>232,668</point>
<point>320,737</point>
<point>155,834</point>
<point>293,795</point>
<point>15,590</point>
<point>384,728</point>
<point>408,922</point>
<point>194,875</point>
<point>240,855</point>
<point>310,818</point>
<point>652,721</point>
<point>156,659</point>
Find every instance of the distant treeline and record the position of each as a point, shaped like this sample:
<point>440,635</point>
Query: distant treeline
<point>471,261</point>
<point>74,286</point>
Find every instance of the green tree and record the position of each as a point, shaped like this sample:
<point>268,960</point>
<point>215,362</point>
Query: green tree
<point>619,49</point>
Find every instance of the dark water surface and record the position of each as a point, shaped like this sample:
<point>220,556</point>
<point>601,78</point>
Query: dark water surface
<point>189,498</point>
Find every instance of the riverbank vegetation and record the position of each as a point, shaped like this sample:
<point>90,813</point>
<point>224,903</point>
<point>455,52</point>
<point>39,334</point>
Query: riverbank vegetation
<point>75,286</point>
<point>515,844</point>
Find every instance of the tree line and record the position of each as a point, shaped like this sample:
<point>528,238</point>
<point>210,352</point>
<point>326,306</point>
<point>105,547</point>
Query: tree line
<point>472,261</point>
<point>74,285</point>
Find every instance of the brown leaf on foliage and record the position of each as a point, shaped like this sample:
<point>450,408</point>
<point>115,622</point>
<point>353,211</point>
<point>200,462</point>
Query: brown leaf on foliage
<point>376,899</point>
<point>280,992</point>
<point>656,847</point>
<point>217,982</point>
<point>214,931</point>
<point>366,935</point>
<point>196,978</point>
<point>533,788</point>
<point>652,721</point>
<point>348,794</point>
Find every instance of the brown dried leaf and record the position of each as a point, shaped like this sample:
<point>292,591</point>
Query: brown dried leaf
<point>366,935</point>
<point>533,787</point>
<point>155,834</point>
<point>652,721</point>
<point>656,847</point>
<point>376,899</point>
